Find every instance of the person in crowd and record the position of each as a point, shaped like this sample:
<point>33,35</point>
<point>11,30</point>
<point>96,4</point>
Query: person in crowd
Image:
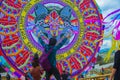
<point>28,75</point>
<point>115,75</point>
<point>22,78</point>
<point>36,71</point>
<point>65,75</point>
<point>0,77</point>
<point>82,76</point>
<point>102,71</point>
<point>8,76</point>
<point>52,57</point>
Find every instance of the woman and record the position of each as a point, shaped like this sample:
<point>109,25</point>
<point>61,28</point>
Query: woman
<point>52,56</point>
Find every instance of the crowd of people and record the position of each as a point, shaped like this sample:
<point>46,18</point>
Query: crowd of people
<point>37,76</point>
<point>8,77</point>
<point>37,70</point>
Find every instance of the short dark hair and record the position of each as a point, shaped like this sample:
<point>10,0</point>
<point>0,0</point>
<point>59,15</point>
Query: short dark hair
<point>36,56</point>
<point>52,41</point>
<point>35,64</point>
<point>35,61</point>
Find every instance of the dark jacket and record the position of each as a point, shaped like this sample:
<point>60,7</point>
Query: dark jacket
<point>52,56</point>
<point>117,65</point>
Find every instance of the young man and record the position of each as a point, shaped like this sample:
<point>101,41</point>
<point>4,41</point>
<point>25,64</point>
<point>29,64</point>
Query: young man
<point>116,67</point>
<point>52,57</point>
<point>36,71</point>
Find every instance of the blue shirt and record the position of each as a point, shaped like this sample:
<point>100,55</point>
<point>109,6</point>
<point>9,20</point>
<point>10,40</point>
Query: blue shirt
<point>52,56</point>
<point>29,76</point>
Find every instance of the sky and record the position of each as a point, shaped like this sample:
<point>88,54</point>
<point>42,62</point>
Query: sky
<point>107,6</point>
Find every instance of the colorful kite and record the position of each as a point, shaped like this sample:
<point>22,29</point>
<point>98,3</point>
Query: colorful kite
<point>21,21</point>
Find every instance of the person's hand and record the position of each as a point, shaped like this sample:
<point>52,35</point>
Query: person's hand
<point>110,78</point>
<point>39,34</point>
<point>34,31</point>
<point>68,35</point>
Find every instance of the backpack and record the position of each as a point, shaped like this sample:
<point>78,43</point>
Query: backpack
<point>44,62</point>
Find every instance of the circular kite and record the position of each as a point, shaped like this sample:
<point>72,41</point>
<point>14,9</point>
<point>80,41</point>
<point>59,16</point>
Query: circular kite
<point>21,20</point>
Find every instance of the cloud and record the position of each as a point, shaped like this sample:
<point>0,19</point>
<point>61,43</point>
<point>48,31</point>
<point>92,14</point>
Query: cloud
<point>107,6</point>
<point>106,44</point>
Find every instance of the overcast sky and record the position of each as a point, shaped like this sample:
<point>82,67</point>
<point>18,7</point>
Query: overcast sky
<point>108,6</point>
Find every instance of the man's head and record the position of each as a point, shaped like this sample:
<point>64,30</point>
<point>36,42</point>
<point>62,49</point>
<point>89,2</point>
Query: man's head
<point>52,41</point>
<point>35,64</point>
<point>36,56</point>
